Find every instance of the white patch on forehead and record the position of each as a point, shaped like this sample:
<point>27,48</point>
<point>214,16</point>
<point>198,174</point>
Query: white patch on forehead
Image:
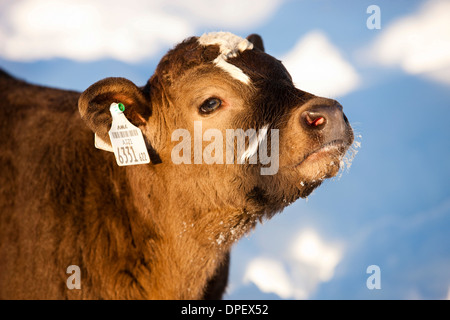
<point>234,71</point>
<point>230,45</point>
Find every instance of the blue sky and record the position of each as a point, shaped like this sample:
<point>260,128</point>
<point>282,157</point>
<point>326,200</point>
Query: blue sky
<point>391,208</point>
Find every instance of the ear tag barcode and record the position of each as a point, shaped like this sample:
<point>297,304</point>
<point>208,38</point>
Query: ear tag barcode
<point>126,139</point>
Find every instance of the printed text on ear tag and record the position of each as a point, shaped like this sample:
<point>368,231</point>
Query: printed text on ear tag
<point>126,139</point>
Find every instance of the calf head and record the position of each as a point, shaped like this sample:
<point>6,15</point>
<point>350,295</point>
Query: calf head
<point>208,85</point>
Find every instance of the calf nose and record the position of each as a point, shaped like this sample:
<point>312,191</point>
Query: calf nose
<point>328,120</point>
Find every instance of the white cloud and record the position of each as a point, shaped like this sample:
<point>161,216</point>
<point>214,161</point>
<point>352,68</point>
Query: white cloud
<point>269,275</point>
<point>318,67</point>
<point>310,250</point>
<point>230,14</point>
<point>128,31</point>
<point>298,272</point>
<point>418,43</point>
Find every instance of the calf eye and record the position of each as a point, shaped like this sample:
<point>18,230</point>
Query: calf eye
<point>210,105</point>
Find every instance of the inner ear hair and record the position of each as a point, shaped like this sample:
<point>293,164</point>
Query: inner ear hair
<point>94,104</point>
<point>135,110</point>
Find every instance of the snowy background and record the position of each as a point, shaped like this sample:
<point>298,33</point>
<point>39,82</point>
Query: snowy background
<point>390,209</point>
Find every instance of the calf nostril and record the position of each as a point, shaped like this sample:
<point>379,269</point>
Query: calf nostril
<point>313,119</point>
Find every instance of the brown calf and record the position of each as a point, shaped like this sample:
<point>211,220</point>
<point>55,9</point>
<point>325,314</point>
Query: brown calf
<point>161,230</point>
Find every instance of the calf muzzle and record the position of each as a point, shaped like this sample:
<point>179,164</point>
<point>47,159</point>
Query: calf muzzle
<point>326,118</point>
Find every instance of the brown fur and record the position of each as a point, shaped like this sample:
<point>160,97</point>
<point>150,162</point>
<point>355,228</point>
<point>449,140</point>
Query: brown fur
<point>156,231</point>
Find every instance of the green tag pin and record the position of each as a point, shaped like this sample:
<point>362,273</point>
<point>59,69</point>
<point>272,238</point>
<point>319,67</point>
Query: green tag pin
<point>116,108</point>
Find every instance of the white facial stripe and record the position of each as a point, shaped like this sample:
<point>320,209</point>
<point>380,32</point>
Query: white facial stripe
<point>232,70</point>
<point>254,143</point>
<point>230,45</point>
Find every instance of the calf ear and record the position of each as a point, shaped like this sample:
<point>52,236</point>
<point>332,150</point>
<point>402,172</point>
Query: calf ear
<point>94,104</point>
<point>257,41</point>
